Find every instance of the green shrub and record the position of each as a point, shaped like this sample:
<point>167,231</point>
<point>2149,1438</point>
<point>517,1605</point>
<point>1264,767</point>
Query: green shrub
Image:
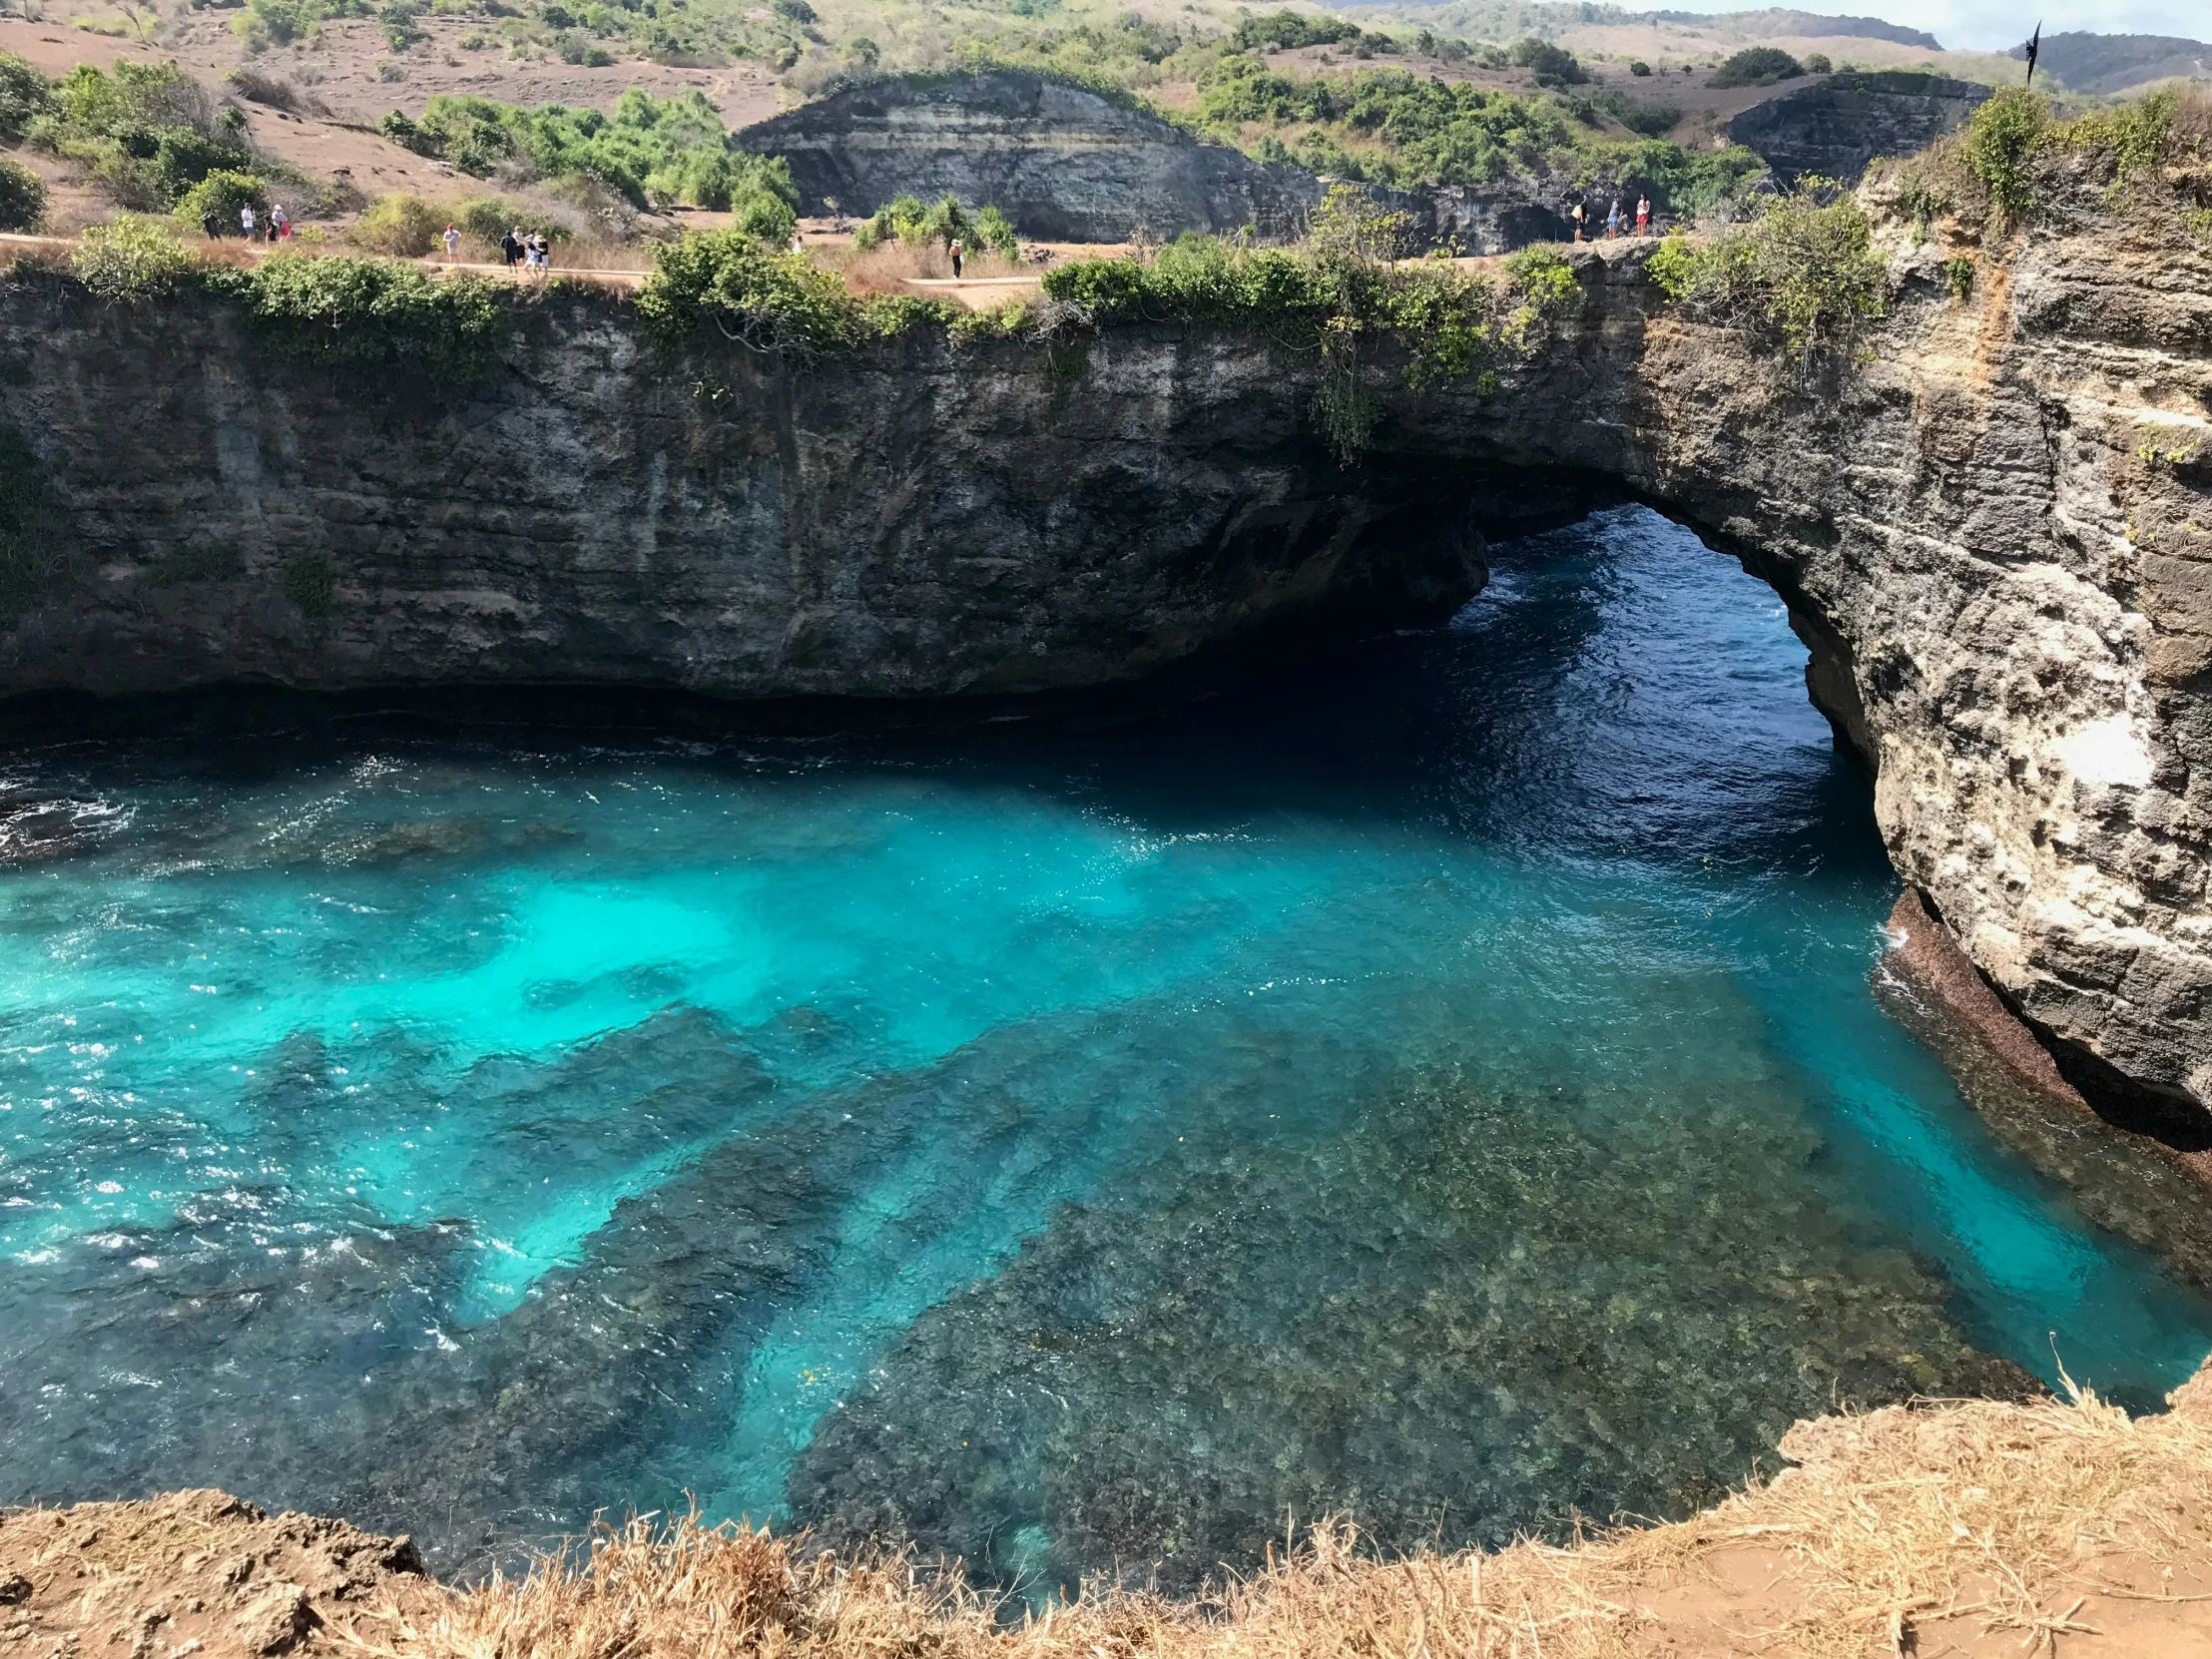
<point>764,218</point>
<point>1285,31</point>
<point>402,225</point>
<point>2137,137</point>
<point>942,222</point>
<point>1653,120</point>
<point>1332,296</point>
<point>280,22</point>
<point>1553,66</point>
<point>769,302</point>
<point>130,260</point>
<point>146,131</point>
<point>1959,277</point>
<point>372,312</point>
<point>23,94</point>
<point>995,232</point>
<point>2002,138</point>
<point>310,585</point>
<point>1638,68</point>
<point>222,194</point>
<point>22,196</point>
<point>1816,63</point>
<point>1802,271</point>
<point>488,217</point>
<point>650,150</point>
<point>1757,66</point>
<point>398,21</point>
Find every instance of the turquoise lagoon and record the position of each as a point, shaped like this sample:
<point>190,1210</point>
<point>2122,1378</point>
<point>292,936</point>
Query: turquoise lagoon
<point>1443,1086</point>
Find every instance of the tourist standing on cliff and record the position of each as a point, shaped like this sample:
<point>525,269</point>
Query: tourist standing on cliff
<point>212,223</point>
<point>1613,220</point>
<point>246,221</point>
<point>955,262</point>
<point>1643,214</point>
<point>1577,216</point>
<point>279,223</point>
<point>510,247</point>
<point>452,240</point>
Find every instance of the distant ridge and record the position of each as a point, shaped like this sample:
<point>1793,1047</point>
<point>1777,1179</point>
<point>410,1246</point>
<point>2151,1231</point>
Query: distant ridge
<point>1502,19</point>
<point>1779,20</point>
<point>2113,63</point>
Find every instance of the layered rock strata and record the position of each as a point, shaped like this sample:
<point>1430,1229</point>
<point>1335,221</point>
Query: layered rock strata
<point>1836,126</point>
<point>1063,162</point>
<point>1993,535</point>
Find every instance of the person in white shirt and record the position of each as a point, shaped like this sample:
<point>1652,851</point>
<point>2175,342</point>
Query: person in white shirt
<point>453,245</point>
<point>246,221</point>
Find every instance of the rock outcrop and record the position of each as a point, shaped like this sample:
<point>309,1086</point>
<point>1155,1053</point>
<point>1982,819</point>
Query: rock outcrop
<point>1840,123</point>
<point>195,1572</point>
<point>1995,536</point>
<point>1063,162</point>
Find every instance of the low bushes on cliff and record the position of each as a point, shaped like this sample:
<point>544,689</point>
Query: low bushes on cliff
<point>130,260</point>
<point>649,150</point>
<point>1341,291</point>
<point>371,312</point>
<point>1802,271</point>
<point>767,301</point>
<point>22,196</point>
<point>2014,159</point>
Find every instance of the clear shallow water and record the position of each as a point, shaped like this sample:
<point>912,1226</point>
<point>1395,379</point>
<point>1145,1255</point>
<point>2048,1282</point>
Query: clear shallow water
<point>1443,1084</point>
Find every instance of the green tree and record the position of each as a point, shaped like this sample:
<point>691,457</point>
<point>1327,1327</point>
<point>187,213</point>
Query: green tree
<point>1757,66</point>
<point>22,196</point>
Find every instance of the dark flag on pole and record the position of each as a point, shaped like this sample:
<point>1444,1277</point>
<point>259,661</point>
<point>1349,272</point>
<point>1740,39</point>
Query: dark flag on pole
<point>2034,43</point>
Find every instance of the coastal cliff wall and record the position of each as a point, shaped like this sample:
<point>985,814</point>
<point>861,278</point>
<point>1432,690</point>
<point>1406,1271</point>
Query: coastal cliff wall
<point>1992,535</point>
<point>1063,162</point>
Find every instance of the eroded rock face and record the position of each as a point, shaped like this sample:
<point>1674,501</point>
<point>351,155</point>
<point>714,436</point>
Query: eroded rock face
<point>1840,123</point>
<point>1064,163</point>
<point>1994,537</point>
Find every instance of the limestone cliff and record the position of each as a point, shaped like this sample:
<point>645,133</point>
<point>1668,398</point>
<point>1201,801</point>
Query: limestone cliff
<point>1995,536</point>
<point>1840,123</point>
<point>1065,162</point>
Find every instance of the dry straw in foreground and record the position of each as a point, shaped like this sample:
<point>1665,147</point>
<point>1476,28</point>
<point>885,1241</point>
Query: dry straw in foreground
<point>1963,1526</point>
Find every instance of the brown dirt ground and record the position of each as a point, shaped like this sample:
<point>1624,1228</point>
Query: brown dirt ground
<point>338,70</point>
<point>353,70</point>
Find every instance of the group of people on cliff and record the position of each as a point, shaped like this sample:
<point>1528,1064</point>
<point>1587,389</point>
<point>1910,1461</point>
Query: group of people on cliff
<point>1617,220</point>
<point>273,226</point>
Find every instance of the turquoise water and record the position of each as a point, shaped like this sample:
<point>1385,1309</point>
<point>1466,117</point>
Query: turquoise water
<point>1443,1085</point>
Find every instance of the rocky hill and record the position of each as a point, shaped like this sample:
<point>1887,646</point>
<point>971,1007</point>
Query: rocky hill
<point>1062,160</point>
<point>1837,125</point>
<point>2107,64</point>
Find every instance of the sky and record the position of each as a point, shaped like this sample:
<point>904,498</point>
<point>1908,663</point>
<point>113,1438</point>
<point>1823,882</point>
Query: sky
<point>1993,25</point>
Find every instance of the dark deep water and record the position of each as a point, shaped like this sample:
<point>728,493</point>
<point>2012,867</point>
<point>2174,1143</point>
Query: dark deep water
<point>1441,1085</point>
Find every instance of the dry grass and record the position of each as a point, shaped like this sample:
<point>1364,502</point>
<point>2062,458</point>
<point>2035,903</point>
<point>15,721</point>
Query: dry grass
<point>2001,1516</point>
<point>886,268</point>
